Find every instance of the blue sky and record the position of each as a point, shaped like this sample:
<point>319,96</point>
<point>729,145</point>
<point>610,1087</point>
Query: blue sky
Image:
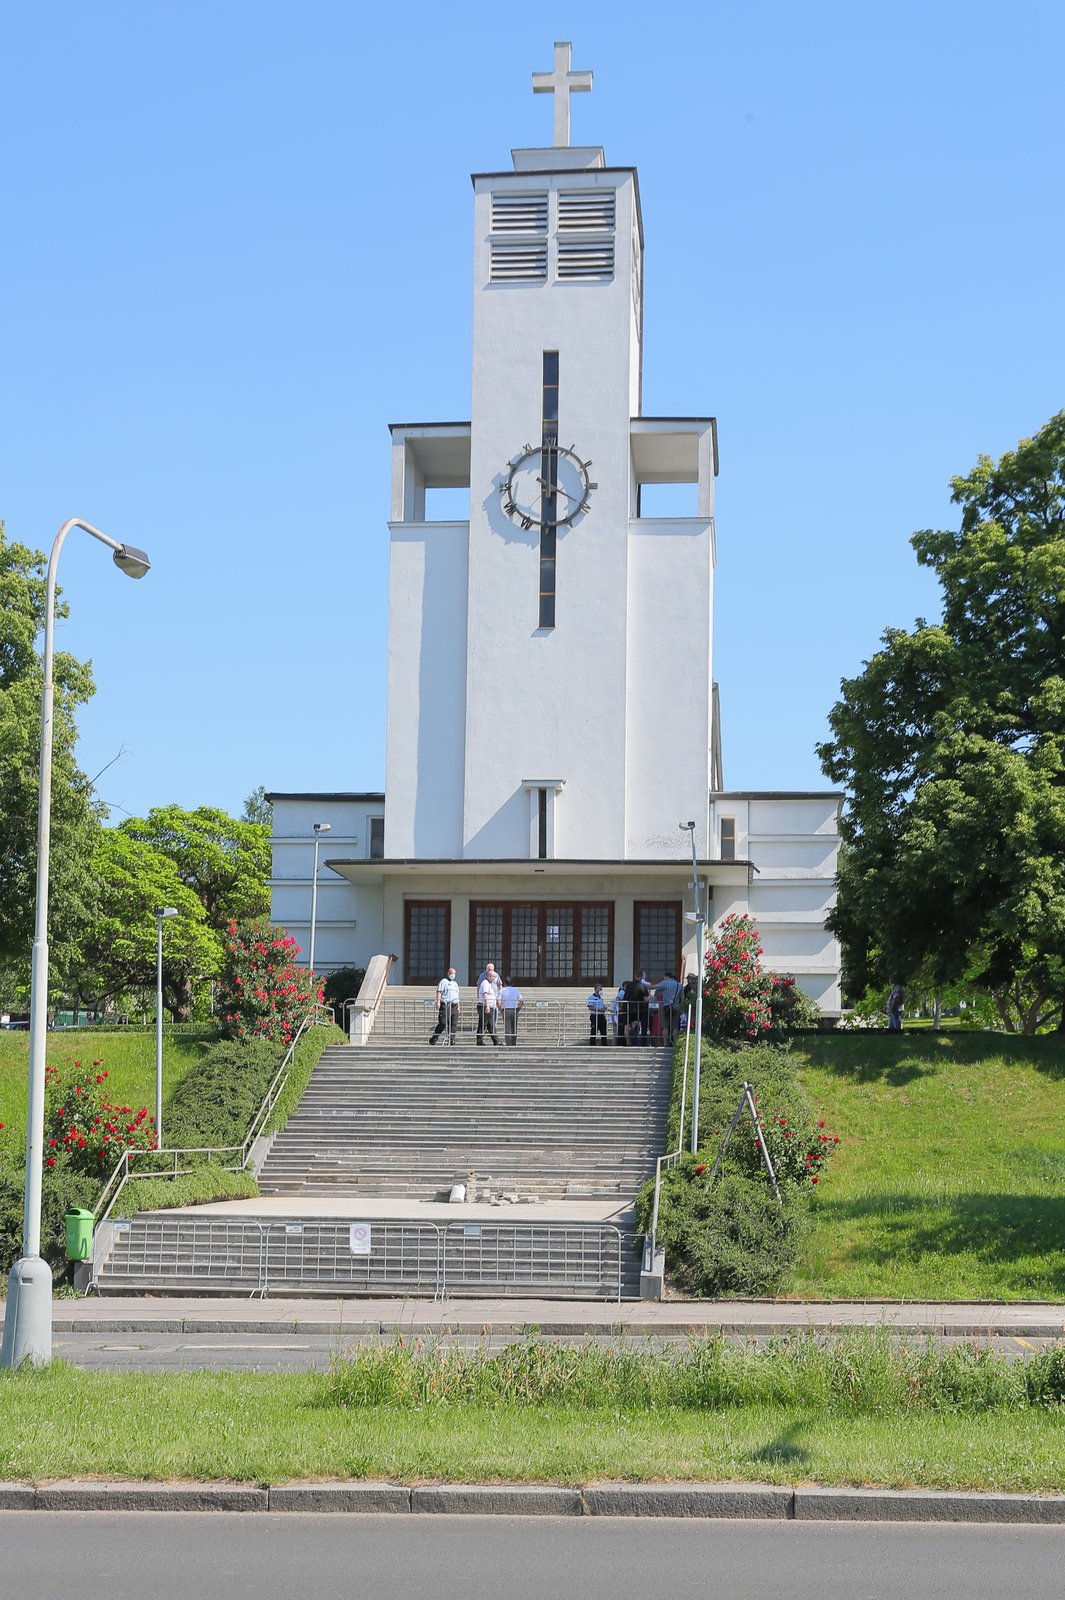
<point>237,245</point>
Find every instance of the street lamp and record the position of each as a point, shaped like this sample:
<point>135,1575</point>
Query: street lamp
<point>700,956</point>
<point>28,1324</point>
<point>161,913</point>
<point>319,829</point>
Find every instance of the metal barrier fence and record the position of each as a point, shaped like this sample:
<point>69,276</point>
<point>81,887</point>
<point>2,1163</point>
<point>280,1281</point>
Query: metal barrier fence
<point>338,1256</point>
<point>405,1017</point>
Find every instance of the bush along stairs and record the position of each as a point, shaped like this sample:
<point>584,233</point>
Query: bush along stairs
<point>442,1171</point>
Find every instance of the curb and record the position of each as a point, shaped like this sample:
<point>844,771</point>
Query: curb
<point>718,1501</point>
<point>549,1329</point>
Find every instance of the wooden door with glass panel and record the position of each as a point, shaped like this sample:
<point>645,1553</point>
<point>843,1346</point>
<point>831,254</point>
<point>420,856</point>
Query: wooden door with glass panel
<point>543,943</point>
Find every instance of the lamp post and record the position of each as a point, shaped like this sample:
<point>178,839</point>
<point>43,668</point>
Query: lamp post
<point>28,1323</point>
<point>161,913</point>
<point>700,956</point>
<point>319,829</point>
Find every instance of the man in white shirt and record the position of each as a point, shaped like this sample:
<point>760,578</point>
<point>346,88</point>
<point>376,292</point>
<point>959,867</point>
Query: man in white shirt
<point>447,1007</point>
<point>489,985</point>
<point>511,1000</point>
<point>488,988</point>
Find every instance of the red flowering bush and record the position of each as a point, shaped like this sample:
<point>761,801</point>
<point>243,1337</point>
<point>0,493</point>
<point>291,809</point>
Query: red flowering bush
<point>83,1131</point>
<point>736,987</point>
<point>741,1000</point>
<point>262,994</point>
<point>798,1147</point>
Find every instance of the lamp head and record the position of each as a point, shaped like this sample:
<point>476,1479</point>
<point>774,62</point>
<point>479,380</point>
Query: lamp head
<point>133,562</point>
<point>686,825</point>
<point>323,827</point>
<point>167,911</point>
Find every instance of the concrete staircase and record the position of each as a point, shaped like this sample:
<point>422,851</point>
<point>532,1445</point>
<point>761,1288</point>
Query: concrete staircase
<point>382,1133</point>
<point>403,1119</point>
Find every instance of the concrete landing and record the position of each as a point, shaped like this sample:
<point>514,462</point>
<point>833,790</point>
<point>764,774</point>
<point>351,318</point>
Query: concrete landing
<point>404,1209</point>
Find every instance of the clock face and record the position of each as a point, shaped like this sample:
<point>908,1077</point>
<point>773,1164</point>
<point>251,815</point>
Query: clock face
<point>546,484</point>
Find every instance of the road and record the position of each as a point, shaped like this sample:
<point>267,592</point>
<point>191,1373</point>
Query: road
<point>286,1351</point>
<point>106,1556</point>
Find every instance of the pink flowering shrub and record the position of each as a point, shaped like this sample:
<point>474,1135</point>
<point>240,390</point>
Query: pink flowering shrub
<point>261,993</point>
<point>741,1000</point>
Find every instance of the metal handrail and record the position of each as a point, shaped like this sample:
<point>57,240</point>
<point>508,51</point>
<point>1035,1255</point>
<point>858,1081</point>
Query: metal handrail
<point>122,1174</point>
<point>666,1162</point>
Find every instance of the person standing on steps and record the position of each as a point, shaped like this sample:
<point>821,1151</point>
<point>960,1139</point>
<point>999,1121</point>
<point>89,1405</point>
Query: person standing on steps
<point>447,1008</point>
<point>668,995</point>
<point>511,1001</point>
<point>631,995</point>
<point>597,1016</point>
<point>488,989</point>
<point>644,1009</point>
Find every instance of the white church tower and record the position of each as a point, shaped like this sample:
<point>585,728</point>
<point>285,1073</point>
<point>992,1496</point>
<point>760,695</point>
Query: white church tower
<point>553,655</point>
<point>551,713</point>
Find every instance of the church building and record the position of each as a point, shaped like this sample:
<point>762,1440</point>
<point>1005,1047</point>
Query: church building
<point>553,727</point>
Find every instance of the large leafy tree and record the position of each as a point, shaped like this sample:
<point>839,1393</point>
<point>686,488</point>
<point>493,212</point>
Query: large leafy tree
<point>120,952</point>
<point>225,862</point>
<point>951,745</point>
<point>75,817</point>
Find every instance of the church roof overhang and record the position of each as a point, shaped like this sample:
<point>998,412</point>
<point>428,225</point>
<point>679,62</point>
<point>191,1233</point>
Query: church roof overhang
<point>374,872</point>
<point>666,449</point>
<point>321,794</point>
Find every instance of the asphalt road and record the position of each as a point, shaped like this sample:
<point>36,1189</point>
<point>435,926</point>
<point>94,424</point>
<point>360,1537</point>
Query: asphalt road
<point>106,1556</point>
<point>297,1352</point>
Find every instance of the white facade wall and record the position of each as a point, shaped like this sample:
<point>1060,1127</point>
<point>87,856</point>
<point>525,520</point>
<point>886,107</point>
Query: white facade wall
<point>348,926</point>
<point>426,728</point>
<point>667,709</point>
<point>793,843</point>
<point>564,688</point>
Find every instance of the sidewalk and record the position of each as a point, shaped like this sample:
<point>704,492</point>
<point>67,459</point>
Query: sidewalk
<point>205,1314</point>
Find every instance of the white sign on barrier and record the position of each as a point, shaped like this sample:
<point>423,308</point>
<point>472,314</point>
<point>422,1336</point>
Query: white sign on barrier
<point>360,1238</point>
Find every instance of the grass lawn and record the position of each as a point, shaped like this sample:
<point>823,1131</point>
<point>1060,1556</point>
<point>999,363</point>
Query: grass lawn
<point>259,1428</point>
<point>128,1059</point>
<point>950,1178</point>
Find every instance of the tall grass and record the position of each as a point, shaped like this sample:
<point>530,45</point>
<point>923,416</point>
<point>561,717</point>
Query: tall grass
<point>865,1372</point>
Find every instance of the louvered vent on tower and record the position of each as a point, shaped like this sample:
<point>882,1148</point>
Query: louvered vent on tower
<point>588,260</point>
<point>519,213</point>
<point>514,262</point>
<point>591,210</point>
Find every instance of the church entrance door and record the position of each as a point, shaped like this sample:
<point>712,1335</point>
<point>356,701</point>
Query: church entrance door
<point>542,942</point>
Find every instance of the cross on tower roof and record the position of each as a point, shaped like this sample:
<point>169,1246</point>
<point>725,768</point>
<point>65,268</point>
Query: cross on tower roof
<point>562,82</point>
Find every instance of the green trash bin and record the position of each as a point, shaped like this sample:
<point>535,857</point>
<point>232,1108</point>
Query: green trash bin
<point>79,1234</point>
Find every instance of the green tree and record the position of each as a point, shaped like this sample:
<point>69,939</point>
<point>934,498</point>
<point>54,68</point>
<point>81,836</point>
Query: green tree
<point>223,861</point>
<point>951,745</point>
<point>257,808</point>
<point>119,954</point>
<point>75,818</point>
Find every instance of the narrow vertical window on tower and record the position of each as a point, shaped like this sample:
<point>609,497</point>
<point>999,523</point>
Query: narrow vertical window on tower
<point>549,485</point>
<point>541,824</point>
